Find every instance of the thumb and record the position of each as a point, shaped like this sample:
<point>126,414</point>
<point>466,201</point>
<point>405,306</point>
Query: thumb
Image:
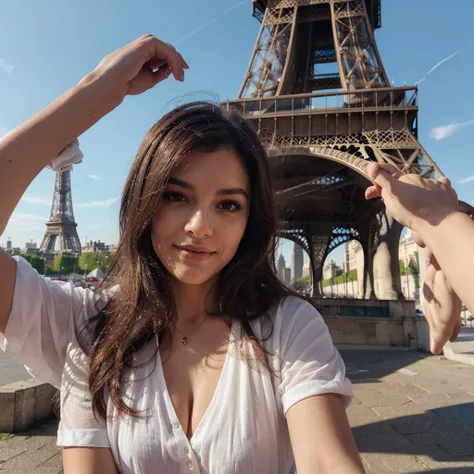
<point>379,175</point>
<point>161,74</point>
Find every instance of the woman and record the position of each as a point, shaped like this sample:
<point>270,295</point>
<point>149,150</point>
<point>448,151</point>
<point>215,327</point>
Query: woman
<point>191,356</point>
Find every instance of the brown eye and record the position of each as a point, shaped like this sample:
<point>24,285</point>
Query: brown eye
<point>174,196</point>
<point>231,206</point>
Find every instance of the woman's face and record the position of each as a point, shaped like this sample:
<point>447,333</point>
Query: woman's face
<point>202,216</point>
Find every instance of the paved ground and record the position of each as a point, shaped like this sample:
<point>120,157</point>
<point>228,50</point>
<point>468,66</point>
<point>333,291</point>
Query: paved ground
<point>413,413</point>
<point>463,349</point>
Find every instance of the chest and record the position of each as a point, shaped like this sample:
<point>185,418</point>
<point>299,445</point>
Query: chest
<point>192,376</point>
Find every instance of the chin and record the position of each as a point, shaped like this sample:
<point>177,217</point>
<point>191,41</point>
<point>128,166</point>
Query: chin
<point>191,276</point>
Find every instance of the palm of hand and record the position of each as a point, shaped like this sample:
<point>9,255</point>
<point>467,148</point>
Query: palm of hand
<point>442,307</point>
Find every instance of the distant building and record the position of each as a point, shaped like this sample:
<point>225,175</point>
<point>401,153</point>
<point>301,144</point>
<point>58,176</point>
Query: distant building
<point>9,243</point>
<point>93,246</point>
<point>297,262</point>
<point>330,270</point>
<point>31,248</point>
<point>281,265</point>
<point>287,276</point>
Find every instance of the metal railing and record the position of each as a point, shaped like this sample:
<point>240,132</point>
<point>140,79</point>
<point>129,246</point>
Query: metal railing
<point>391,98</point>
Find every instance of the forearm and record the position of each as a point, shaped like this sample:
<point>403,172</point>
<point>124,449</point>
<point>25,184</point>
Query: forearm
<point>452,243</point>
<point>27,149</point>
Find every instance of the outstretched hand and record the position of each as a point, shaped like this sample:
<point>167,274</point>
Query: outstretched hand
<point>441,305</point>
<point>411,199</point>
<point>138,66</point>
<point>414,201</point>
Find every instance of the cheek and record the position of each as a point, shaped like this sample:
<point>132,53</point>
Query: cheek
<point>232,235</point>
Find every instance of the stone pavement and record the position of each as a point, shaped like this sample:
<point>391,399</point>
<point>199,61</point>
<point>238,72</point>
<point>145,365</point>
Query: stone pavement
<point>412,413</point>
<point>463,349</point>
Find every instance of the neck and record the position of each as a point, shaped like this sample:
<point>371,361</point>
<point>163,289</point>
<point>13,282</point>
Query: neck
<point>194,301</point>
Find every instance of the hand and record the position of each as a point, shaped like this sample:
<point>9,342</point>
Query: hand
<point>442,306</point>
<point>410,199</point>
<point>138,66</point>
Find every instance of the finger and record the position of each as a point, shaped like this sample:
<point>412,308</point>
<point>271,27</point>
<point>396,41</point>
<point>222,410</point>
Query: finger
<point>373,192</point>
<point>185,64</point>
<point>156,63</point>
<point>416,237</point>
<point>440,333</point>
<point>457,330</point>
<point>445,181</point>
<point>157,49</point>
<point>381,174</point>
<point>162,74</point>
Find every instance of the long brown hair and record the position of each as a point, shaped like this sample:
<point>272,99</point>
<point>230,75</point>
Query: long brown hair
<point>140,304</point>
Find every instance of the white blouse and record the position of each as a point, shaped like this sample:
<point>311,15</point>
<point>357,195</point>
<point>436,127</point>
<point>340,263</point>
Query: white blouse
<point>244,429</point>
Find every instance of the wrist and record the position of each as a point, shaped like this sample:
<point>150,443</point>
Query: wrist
<point>102,96</point>
<point>430,229</point>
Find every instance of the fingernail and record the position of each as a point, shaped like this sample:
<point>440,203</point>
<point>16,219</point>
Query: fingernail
<point>168,72</point>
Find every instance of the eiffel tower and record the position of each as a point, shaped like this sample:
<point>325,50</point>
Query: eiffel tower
<point>61,224</point>
<point>318,94</point>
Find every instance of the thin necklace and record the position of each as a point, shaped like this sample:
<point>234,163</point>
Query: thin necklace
<point>184,338</point>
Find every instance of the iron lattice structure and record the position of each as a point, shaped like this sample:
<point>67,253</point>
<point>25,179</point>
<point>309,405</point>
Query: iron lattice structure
<point>318,94</point>
<point>61,224</point>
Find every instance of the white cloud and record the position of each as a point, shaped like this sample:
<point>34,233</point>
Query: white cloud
<point>466,180</point>
<point>439,133</point>
<point>436,66</point>
<point>29,199</point>
<point>5,66</point>
<point>105,203</point>
<point>95,177</point>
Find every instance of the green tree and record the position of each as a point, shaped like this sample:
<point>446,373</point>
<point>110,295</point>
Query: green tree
<point>402,267</point>
<point>352,275</point>
<point>36,261</point>
<point>91,260</point>
<point>65,263</point>
<point>414,270</point>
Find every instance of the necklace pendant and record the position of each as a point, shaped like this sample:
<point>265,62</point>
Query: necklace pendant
<point>184,340</point>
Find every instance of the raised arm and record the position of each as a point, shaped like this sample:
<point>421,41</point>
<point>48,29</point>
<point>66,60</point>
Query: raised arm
<point>430,208</point>
<point>27,149</point>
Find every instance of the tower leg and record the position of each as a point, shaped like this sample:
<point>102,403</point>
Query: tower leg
<point>318,248</point>
<point>386,266</point>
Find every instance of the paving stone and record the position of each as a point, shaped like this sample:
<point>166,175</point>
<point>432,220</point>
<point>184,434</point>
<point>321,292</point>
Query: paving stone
<point>29,459</point>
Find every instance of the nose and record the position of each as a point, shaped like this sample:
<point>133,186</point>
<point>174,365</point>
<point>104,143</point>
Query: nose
<point>199,225</point>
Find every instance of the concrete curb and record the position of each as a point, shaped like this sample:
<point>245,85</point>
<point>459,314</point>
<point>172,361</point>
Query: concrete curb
<point>24,403</point>
<point>458,356</point>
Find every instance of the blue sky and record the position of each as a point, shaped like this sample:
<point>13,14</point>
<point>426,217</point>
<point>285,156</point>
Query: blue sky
<point>47,47</point>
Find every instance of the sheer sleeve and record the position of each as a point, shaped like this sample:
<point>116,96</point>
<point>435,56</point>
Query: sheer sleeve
<point>42,321</point>
<point>309,363</point>
<point>79,427</point>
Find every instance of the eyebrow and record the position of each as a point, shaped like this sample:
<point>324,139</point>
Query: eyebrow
<point>219,192</point>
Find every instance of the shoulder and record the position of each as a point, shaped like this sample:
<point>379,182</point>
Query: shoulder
<point>292,310</point>
<point>292,320</point>
<point>55,296</point>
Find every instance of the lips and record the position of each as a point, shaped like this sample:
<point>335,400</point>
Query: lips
<point>194,249</point>
<point>192,253</point>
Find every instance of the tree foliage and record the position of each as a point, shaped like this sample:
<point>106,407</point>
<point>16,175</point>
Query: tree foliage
<point>89,261</point>
<point>65,263</point>
<point>36,261</point>
<point>350,276</point>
